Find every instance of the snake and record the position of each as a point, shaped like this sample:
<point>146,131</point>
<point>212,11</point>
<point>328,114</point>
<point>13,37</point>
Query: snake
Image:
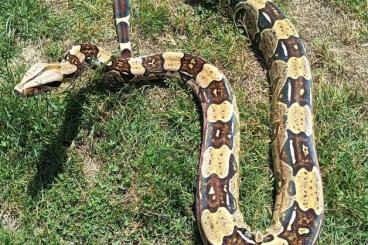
<point>299,206</point>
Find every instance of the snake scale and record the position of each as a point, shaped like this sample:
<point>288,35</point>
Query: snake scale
<point>298,210</point>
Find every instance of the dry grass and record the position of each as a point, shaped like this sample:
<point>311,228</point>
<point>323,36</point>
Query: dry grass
<point>335,41</point>
<point>9,216</point>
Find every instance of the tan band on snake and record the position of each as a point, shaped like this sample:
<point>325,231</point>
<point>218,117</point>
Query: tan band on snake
<point>298,210</point>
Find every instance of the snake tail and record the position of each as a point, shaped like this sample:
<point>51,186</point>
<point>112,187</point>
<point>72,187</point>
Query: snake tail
<point>122,16</point>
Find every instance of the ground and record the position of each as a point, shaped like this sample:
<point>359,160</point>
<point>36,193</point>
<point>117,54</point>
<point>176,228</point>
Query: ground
<point>98,162</point>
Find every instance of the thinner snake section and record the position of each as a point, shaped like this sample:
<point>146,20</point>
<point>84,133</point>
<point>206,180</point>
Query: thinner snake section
<point>122,24</point>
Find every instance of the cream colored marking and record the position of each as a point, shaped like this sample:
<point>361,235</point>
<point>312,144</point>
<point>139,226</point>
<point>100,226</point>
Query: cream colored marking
<point>257,4</point>
<point>267,17</point>
<point>81,57</point>
<point>292,151</point>
<point>283,201</point>
<point>234,186</point>
<point>212,191</point>
<point>103,56</point>
<point>33,71</point>
<point>303,231</point>
<point>289,92</point>
<point>152,62</point>
<point>127,45</point>
<point>216,161</point>
<point>214,92</point>
<point>294,68</point>
<point>245,238</point>
<point>217,225</point>
<point>172,60</point>
<point>236,147</point>
<point>284,48</point>
<point>213,198</point>
<point>299,67</point>
<point>42,74</point>
<point>308,186</point>
<point>225,188</point>
<point>136,66</point>
<point>302,91</point>
<point>258,237</point>
<point>218,133</point>
<point>305,150</point>
<point>296,46</point>
<point>292,219</point>
<point>282,29</point>
<point>208,74</point>
<point>239,219</point>
<point>299,119</point>
<point>48,76</point>
<point>75,50</point>
<point>222,112</point>
<point>124,19</point>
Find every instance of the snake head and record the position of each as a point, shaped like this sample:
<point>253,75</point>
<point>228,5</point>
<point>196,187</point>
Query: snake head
<point>43,77</point>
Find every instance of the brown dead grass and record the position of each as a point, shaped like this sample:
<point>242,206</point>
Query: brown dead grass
<point>336,49</point>
<point>91,166</point>
<point>9,216</point>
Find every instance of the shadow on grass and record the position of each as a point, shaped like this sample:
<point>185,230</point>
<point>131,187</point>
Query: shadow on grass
<point>54,156</point>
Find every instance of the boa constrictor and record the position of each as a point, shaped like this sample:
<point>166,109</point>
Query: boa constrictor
<point>298,210</point>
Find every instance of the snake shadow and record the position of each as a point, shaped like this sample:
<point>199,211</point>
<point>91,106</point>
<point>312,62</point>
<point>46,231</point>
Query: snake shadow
<point>53,157</point>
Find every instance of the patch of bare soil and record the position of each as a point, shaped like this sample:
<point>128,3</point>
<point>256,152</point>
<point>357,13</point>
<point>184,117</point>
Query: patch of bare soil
<point>31,53</point>
<point>333,38</point>
<point>9,217</point>
<point>90,165</point>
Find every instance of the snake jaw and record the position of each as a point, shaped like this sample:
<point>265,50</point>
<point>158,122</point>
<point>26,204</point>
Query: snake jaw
<point>43,77</point>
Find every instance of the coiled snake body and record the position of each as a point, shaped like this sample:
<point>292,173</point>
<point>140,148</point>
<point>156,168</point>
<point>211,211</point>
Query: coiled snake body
<point>298,210</point>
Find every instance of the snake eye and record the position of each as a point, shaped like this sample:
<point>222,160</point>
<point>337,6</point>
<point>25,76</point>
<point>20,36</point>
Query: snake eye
<point>88,60</point>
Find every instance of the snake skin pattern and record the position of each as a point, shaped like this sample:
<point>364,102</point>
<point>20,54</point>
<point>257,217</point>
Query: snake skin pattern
<point>298,210</point>
<point>122,16</point>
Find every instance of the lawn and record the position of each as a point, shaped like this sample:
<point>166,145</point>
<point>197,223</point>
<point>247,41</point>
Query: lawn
<point>104,163</point>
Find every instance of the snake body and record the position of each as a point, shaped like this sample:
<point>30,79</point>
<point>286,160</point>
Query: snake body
<point>298,210</point>
<point>122,24</point>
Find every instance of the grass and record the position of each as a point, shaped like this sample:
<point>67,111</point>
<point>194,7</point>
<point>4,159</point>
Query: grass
<point>104,164</point>
<point>358,6</point>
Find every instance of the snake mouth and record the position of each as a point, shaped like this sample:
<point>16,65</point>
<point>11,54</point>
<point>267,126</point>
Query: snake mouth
<point>40,89</point>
